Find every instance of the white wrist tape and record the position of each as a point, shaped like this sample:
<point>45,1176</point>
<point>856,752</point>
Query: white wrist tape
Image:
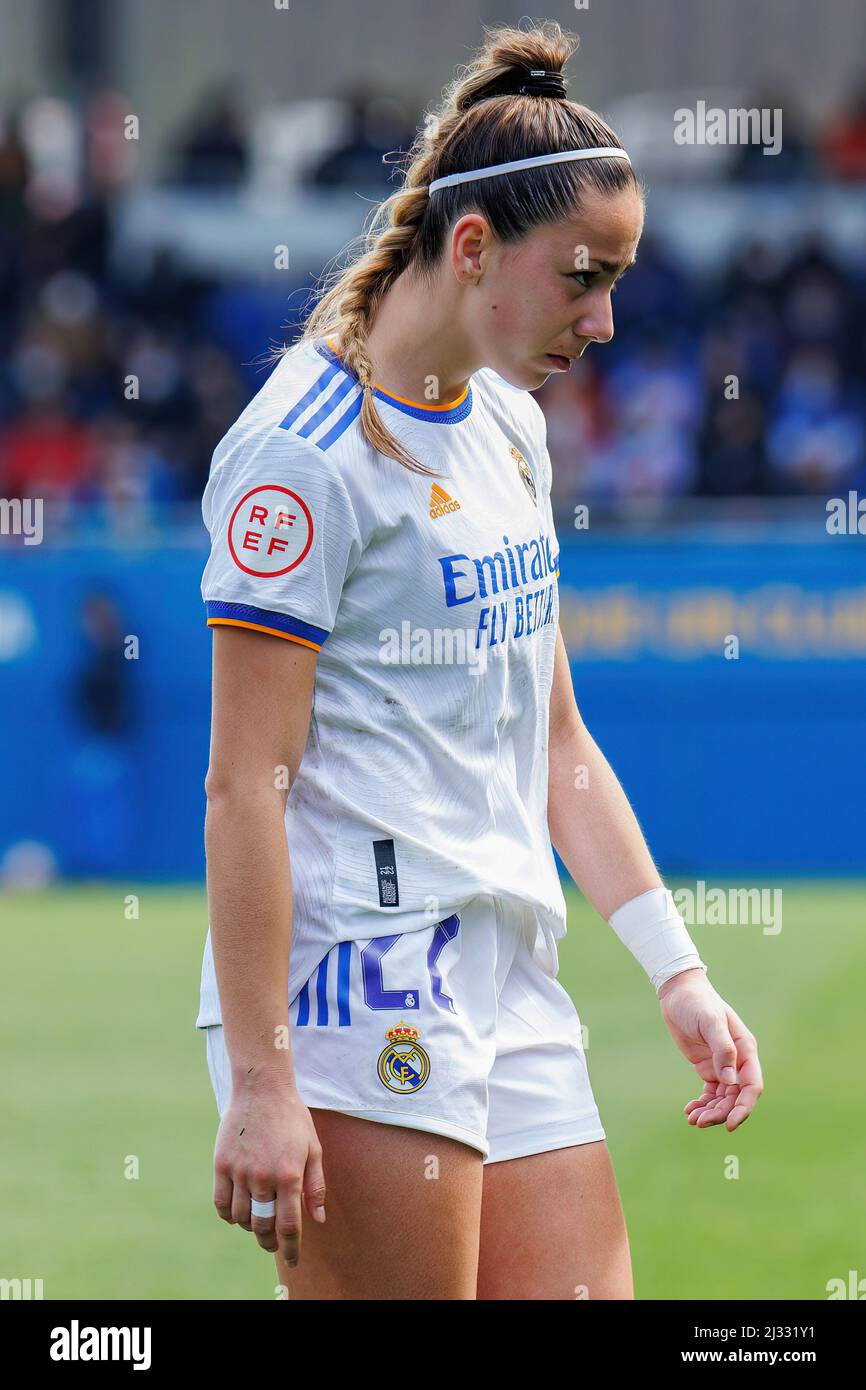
<point>652,929</point>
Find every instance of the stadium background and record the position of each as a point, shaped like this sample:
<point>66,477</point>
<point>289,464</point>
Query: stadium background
<point>155,258</point>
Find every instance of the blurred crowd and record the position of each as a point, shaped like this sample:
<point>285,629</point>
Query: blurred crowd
<point>114,391</point>
<point>752,383</point>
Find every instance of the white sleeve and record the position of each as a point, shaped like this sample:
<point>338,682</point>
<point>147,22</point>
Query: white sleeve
<point>284,537</point>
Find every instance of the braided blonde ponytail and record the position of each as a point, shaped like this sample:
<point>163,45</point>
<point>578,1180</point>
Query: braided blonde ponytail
<point>348,309</point>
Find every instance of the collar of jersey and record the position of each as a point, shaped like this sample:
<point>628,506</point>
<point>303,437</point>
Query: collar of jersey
<point>436,414</point>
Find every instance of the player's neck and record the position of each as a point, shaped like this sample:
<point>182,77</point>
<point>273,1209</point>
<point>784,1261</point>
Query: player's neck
<point>414,345</point>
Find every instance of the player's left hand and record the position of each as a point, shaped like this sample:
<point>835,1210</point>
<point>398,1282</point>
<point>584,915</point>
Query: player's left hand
<point>720,1047</point>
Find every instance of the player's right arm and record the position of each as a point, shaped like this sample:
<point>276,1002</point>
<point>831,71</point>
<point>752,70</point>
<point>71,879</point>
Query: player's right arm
<point>284,538</point>
<point>267,1145</point>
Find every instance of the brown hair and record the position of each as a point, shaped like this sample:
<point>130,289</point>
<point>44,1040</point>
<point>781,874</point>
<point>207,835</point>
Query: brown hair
<point>480,121</point>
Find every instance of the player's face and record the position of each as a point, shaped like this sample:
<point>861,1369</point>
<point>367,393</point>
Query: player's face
<point>549,296</point>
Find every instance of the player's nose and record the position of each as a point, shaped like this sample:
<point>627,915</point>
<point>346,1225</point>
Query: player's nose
<point>597,324</point>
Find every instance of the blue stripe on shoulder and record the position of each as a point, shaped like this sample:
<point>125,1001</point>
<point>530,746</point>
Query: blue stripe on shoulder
<point>342,424</point>
<point>327,408</point>
<point>315,391</point>
<point>319,416</point>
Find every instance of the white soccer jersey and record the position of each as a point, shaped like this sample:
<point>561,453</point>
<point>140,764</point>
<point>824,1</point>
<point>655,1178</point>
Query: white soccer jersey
<point>433,606</point>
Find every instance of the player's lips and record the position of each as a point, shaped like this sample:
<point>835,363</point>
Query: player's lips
<point>561,361</point>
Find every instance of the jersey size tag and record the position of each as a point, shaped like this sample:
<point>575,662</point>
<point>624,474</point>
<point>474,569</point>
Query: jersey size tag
<point>386,873</point>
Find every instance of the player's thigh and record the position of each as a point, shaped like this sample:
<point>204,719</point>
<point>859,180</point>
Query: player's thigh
<point>402,1220</point>
<point>552,1227</point>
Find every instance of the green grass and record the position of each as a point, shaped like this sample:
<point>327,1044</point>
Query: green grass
<point>102,1068</point>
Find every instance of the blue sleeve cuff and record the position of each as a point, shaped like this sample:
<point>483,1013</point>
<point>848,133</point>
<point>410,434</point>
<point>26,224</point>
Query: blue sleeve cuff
<point>221,614</point>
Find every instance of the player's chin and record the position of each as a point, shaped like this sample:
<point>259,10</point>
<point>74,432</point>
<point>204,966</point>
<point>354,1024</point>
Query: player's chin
<point>541,377</point>
<point>529,374</point>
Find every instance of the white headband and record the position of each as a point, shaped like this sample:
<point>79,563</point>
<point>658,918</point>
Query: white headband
<point>603,152</point>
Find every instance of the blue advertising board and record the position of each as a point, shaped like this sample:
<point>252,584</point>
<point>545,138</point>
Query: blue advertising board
<point>725,682</point>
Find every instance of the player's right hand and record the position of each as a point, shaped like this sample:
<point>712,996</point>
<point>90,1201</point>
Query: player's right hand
<point>267,1148</point>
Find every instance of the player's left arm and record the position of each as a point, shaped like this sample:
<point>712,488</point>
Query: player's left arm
<point>592,826</point>
<point>596,834</point>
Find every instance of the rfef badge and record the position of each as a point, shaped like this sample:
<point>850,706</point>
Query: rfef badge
<point>404,1065</point>
<point>270,531</point>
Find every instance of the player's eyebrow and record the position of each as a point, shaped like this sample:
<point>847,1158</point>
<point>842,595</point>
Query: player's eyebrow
<point>615,267</point>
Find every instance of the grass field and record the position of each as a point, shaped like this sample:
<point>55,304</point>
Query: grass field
<point>102,1069</point>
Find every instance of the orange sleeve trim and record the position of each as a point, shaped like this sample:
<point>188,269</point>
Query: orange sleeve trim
<point>260,627</point>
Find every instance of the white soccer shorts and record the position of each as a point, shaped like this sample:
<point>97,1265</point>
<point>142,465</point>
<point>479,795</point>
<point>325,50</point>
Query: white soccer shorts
<point>454,1028</point>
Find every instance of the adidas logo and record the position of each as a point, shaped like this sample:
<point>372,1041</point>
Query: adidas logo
<point>440,502</point>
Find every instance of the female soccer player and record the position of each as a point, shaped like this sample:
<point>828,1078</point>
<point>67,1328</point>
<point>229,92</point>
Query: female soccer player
<point>396,745</point>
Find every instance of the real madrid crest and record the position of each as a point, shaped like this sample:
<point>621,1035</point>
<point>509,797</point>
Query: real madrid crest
<point>404,1065</point>
<point>525,472</point>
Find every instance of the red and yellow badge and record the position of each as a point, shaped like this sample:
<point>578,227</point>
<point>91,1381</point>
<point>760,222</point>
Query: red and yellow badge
<point>404,1065</point>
